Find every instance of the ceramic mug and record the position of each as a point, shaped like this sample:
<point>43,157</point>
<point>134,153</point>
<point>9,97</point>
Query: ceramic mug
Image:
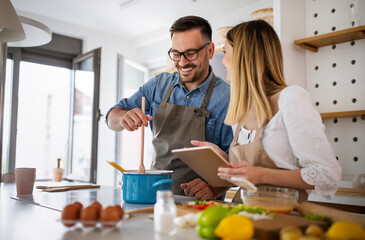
<point>24,180</point>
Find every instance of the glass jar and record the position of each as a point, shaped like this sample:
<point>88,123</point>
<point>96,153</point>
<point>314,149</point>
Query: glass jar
<point>164,212</point>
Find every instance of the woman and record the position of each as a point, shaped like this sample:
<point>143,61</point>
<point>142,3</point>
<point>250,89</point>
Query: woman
<point>279,137</point>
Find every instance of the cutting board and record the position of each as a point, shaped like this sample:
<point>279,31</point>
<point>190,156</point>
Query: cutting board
<point>268,229</point>
<point>332,214</point>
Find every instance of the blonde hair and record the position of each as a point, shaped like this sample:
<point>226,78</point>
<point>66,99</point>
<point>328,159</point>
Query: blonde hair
<point>257,71</point>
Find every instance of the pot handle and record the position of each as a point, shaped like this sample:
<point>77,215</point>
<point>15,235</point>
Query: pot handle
<point>166,184</point>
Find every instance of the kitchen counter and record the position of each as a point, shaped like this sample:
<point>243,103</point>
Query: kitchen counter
<point>38,216</point>
<point>27,220</point>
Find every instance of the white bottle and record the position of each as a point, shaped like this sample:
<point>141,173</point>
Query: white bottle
<point>164,212</point>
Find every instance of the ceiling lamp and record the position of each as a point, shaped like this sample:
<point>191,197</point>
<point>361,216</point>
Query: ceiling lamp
<point>36,33</point>
<point>10,27</point>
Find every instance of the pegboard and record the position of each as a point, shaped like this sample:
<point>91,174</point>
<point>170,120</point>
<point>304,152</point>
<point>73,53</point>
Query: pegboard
<point>335,78</point>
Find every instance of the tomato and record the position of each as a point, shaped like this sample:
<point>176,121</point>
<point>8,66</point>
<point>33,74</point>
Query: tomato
<point>200,206</point>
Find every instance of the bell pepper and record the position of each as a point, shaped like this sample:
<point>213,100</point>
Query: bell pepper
<point>204,205</point>
<point>209,220</point>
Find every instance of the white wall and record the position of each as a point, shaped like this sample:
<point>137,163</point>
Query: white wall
<point>332,85</point>
<point>289,24</point>
<point>152,48</point>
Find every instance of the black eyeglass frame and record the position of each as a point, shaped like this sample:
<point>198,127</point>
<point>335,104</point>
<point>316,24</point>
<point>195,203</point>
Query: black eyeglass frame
<point>183,53</point>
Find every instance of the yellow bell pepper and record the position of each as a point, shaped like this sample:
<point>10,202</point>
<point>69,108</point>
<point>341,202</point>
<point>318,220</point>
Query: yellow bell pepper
<point>235,227</point>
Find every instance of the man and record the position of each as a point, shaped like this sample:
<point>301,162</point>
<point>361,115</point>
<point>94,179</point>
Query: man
<point>189,104</point>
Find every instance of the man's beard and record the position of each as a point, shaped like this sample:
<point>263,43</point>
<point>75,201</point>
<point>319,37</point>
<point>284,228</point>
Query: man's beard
<point>192,78</point>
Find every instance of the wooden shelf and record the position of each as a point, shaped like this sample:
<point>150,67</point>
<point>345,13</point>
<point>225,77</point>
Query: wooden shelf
<point>344,114</point>
<point>313,43</point>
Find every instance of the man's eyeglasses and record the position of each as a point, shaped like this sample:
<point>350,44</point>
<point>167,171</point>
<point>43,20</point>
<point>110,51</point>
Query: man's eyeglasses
<point>190,55</point>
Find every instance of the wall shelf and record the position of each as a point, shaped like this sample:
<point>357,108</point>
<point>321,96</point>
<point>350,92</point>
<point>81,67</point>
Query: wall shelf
<point>360,113</point>
<point>313,43</point>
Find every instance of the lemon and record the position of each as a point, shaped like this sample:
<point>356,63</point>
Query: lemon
<point>345,230</point>
<point>235,227</point>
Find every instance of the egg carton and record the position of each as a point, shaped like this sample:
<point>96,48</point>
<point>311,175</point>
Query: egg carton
<point>90,225</point>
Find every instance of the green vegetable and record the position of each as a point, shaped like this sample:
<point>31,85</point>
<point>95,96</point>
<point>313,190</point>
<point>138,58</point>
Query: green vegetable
<point>198,201</point>
<point>241,207</point>
<point>314,217</point>
<point>209,220</point>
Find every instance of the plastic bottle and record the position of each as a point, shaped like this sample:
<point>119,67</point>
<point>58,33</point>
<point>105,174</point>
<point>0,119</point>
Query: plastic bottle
<point>164,212</point>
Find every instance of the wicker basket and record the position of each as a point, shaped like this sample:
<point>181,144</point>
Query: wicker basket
<point>221,36</point>
<point>264,14</point>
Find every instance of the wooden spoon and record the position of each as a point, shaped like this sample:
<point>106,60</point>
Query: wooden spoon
<point>137,211</point>
<point>141,166</point>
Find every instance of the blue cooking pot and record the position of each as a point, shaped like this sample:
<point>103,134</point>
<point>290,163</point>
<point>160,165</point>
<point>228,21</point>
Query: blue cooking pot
<point>142,187</point>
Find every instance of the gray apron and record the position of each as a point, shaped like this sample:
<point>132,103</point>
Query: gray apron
<point>255,154</point>
<point>174,126</point>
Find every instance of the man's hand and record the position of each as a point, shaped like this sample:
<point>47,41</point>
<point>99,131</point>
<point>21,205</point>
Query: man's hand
<point>134,119</point>
<point>198,189</point>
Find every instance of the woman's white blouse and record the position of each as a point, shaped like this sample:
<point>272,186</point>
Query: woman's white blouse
<point>295,139</point>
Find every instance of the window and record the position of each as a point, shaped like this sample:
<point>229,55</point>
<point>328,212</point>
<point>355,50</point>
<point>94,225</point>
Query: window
<point>43,117</point>
<point>128,145</point>
<point>52,110</point>
<point>85,115</point>
<point>7,114</point>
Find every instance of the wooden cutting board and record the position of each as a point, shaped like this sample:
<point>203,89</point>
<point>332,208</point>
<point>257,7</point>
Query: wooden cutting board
<point>268,229</point>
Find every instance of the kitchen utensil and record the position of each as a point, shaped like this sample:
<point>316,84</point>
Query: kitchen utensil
<point>332,214</point>
<point>67,188</point>
<point>243,182</point>
<point>116,166</point>
<point>132,212</point>
<point>274,199</point>
<point>141,165</point>
<point>62,186</point>
<point>141,187</point>
<point>270,228</point>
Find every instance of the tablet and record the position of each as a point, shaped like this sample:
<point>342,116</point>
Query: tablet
<point>205,162</point>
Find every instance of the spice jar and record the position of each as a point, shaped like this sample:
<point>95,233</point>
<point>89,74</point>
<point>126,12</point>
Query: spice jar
<point>58,172</point>
<point>164,212</point>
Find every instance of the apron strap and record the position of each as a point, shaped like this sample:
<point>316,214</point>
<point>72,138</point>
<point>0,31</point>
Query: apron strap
<point>257,134</point>
<point>235,138</point>
<point>167,95</point>
<point>205,100</point>
<point>209,93</point>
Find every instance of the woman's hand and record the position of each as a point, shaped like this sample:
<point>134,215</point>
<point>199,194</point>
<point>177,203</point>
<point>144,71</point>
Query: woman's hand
<point>212,145</point>
<point>242,169</point>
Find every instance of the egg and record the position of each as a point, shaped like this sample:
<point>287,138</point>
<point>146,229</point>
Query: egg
<point>109,216</point>
<point>121,211</point>
<point>89,216</point>
<point>97,205</point>
<point>78,204</point>
<point>70,213</point>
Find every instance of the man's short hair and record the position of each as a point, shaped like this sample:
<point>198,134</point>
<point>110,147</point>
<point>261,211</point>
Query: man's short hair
<point>192,22</point>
